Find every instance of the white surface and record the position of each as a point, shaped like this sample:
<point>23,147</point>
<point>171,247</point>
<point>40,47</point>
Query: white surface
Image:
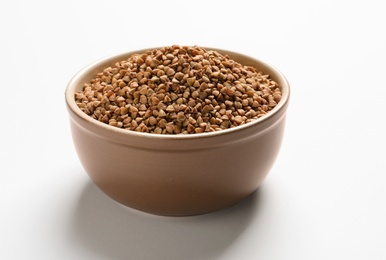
<point>325,196</point>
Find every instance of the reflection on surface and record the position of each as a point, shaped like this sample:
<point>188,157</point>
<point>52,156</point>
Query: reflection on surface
<point>114,231</point>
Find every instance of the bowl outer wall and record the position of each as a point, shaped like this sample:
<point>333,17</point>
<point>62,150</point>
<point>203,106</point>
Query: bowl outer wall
<point>177,174</point>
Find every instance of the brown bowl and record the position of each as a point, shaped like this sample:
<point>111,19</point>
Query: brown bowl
<point>177,174</point>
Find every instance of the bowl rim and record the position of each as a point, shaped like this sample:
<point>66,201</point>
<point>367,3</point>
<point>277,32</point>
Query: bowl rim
<point>71,86</point>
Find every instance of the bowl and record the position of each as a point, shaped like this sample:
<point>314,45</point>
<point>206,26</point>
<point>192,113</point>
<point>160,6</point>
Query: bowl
<point>177,175</point>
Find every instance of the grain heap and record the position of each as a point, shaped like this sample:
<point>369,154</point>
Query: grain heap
<point>178,90</point>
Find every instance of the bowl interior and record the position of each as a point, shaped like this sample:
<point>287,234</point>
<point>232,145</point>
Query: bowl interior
<point>89,72</point>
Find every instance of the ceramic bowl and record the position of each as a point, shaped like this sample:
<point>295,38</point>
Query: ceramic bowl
<point>177,175</point>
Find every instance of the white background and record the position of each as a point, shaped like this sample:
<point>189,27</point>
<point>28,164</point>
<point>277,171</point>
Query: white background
<point>325,196</point>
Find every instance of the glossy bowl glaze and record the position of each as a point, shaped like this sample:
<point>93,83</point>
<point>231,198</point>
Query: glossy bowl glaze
<point>177,175</point>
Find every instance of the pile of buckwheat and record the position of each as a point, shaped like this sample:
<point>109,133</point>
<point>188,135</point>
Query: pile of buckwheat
<point>178,90</point>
